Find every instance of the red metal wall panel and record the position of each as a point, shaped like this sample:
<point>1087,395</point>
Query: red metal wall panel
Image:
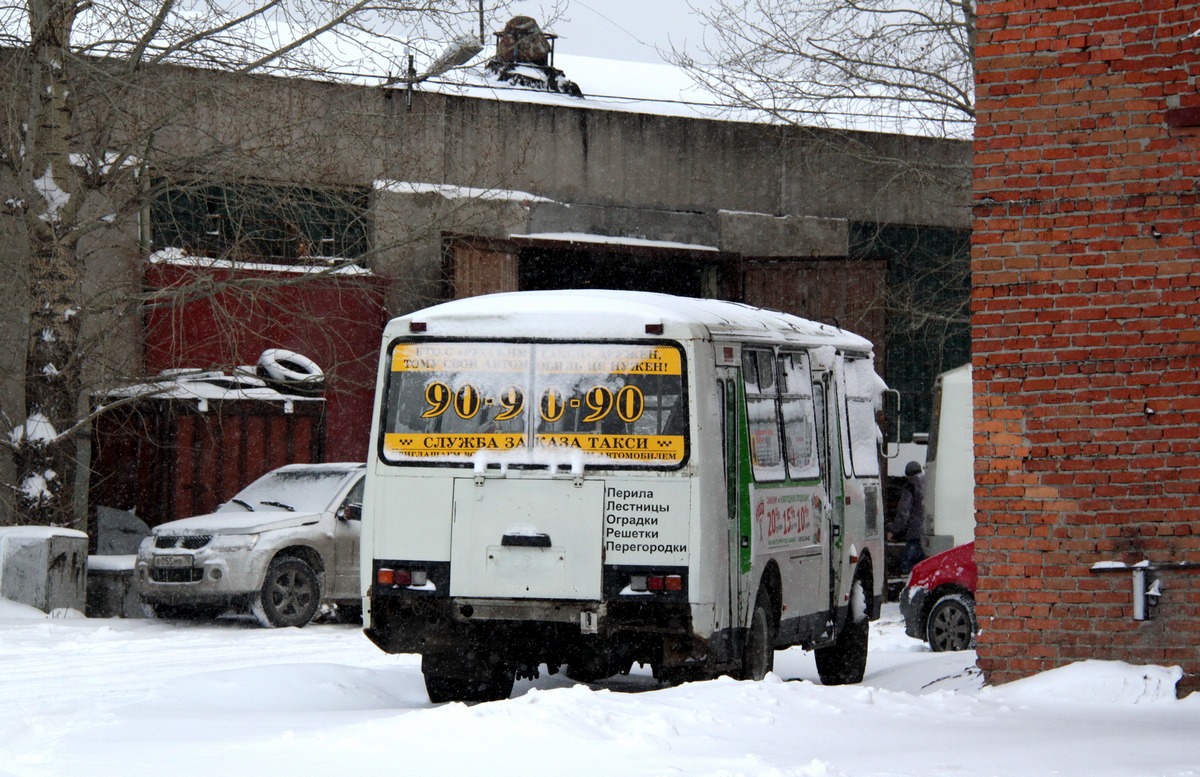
<point>334,319</point>
<point>165,459</point>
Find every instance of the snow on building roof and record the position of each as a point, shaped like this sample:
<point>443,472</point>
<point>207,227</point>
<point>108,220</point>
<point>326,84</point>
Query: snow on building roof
<point>452,192</point>
<point>664,89</point>
<point>594,239</point>
<point>607,84</point>
<point>329,265</point>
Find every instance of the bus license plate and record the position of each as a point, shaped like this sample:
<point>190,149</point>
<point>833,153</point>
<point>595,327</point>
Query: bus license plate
<point>173,562</point>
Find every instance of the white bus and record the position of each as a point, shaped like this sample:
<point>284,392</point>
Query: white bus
<point>589,479</point>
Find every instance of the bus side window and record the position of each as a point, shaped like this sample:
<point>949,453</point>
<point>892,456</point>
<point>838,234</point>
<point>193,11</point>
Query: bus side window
<point>862,431</point>
<point>726,395</point>
<point>799,427</point>
<point>822,436</point>
<point>762,413</point>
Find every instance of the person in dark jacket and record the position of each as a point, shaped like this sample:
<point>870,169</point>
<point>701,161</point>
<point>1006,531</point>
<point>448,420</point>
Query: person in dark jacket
<point>908,525</point>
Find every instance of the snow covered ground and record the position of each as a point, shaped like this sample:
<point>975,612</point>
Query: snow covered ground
<point>132,697</point>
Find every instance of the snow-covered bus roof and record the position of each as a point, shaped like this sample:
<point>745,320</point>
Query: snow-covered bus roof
<point>609,314</point>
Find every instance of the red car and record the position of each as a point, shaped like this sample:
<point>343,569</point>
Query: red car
<point>938,603</point>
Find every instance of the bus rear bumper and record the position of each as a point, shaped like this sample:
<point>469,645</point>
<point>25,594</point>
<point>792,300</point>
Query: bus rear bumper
<point>552,632</point>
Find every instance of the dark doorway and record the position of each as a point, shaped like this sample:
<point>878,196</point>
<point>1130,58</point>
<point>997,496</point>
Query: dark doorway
<point>546,267</point>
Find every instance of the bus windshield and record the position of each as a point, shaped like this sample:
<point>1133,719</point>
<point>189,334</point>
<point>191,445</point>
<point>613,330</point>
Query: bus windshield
<point>616,404</point>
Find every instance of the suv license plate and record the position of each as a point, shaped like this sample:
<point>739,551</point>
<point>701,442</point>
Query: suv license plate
<point>173,562</point>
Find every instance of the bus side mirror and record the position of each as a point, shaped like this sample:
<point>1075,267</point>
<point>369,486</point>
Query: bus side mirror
<point>891,423</point>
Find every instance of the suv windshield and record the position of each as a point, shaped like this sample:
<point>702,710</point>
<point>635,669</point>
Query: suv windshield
<point>302,490</point>
<point>615,403</point>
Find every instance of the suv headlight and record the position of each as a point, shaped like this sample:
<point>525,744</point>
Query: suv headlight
<point>233,542</point>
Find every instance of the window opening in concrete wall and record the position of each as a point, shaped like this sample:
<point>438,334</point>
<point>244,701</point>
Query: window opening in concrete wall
<point>253,222</point>
<point>565,268</point>
<point>928,308</point>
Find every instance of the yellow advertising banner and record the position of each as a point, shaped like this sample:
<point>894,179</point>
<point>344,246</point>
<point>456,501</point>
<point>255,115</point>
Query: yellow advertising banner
<point>631,447</point>
<point>422,444</point>
<point>571,359</point>
<point>634,447</point>
<point>610,360</point>
<point>460,357</point>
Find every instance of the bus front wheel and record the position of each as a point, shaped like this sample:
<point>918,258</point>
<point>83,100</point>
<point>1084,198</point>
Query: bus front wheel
<point>845,661</point>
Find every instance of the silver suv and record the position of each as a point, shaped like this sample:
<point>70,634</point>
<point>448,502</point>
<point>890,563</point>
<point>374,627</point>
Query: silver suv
<point>287,543</point>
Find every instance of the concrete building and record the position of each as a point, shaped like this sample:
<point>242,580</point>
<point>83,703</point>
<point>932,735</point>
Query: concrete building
<point>438,194</point>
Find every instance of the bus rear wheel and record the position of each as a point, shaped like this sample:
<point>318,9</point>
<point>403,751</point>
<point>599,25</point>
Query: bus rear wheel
<point>586,672</point>
<point>845,661</point>
<point>450,678</point>
<point>758,654</point>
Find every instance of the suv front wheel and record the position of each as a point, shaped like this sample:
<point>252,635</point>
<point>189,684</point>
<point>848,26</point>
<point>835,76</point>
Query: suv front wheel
<point>951,624</point>
<point>290,594</point>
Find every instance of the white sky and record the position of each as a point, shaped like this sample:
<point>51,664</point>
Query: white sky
<point>130,697</point>
<point>614,50</point>
<point>630,30</point>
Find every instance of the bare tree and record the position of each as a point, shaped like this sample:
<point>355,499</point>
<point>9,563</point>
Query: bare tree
<point>889,65</point>
<point>895,66</point>
<point>105,117</point>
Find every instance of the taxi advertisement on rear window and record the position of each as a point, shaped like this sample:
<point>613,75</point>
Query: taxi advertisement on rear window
<point>621,401</point>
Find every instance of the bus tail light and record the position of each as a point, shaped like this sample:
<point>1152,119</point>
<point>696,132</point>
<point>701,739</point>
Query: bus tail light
<point>400,577</point>
<point>656,583</point>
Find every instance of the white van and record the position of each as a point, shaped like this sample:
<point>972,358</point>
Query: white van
<point>589,479</point>
<point>950,467</point>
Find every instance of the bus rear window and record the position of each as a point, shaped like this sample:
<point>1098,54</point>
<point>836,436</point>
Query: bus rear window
<point>536,403</point>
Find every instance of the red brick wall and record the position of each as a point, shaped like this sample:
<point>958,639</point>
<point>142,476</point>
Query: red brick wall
<point>1086,330</point>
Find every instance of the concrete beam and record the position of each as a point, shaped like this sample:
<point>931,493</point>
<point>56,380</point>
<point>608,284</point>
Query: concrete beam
<point>667,226</point>
<point>763,235</point>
